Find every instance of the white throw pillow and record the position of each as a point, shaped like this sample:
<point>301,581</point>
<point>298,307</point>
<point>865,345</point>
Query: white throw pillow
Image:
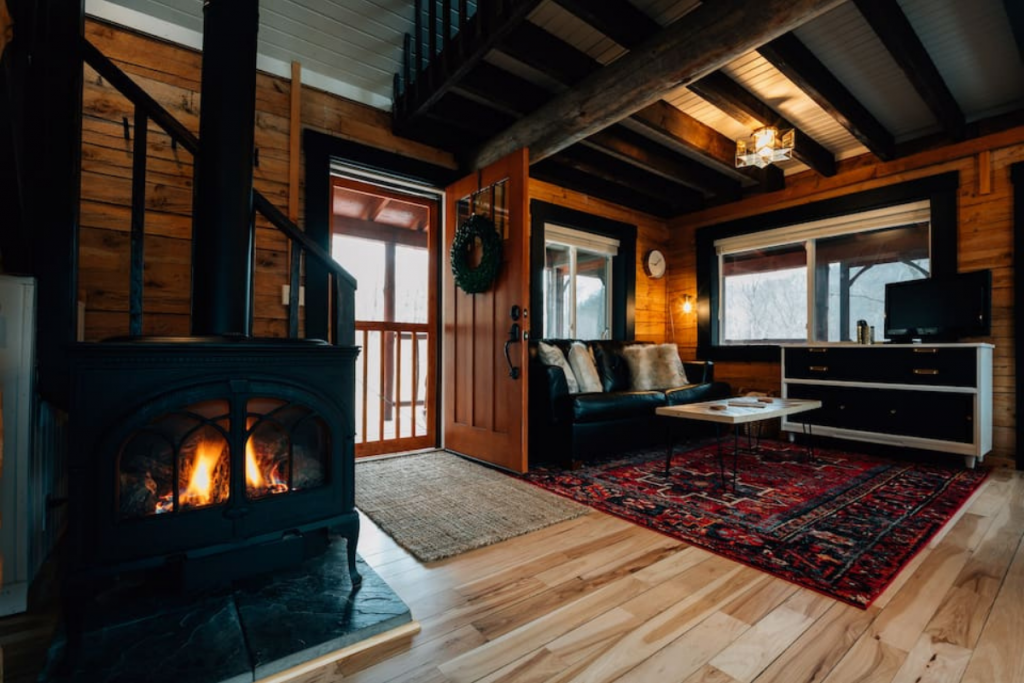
<point>654,366</point>
<point>582,362</point>
<point>552,355</point>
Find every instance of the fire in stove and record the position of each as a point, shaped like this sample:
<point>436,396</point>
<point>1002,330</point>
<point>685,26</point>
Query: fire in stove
<point>285,448</point>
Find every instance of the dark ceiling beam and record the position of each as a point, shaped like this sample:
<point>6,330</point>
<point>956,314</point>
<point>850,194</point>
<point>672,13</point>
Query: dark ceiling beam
<point>620,20</point>
<point>633,148</point>
<point>893,28</point>
<point>466,114</point>
<point>591,161</point>
<point>551,171</point>
<point>515,96</point>
<point>1015,13</point>
<point>748,109</point>
<point>561,61</point>
<point>484,30</point>
<point>665,119</point>
<point>503,90</point>
<point>535,47</point>
<point>703,41</point>
<point>797,63</point>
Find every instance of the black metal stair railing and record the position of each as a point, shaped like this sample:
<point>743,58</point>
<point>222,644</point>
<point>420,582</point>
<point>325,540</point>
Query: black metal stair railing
<point>416,61</point>
<point>148,109</point>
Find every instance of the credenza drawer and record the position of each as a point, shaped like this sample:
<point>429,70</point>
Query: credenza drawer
<point>924,365</point>
<point>944,416</point>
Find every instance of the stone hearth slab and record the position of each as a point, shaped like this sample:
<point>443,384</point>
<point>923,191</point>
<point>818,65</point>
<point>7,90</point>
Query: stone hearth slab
<point>303,614</point>
<point>262,627</point>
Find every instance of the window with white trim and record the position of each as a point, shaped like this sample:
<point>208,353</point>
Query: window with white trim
<point>814,281</point>
<point>577,282</point>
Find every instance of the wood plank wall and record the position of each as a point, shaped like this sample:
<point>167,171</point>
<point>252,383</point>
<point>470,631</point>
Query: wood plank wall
<point>171,74</point>
<point>652,233</point>
<point>985,241</point>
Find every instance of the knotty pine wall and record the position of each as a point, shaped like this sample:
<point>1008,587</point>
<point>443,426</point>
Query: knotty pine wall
<point>171,74</point>
<point>652,233</point>
<point>985,241</point>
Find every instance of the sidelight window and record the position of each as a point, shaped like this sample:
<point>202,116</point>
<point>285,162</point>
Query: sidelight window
<point>577,283</point>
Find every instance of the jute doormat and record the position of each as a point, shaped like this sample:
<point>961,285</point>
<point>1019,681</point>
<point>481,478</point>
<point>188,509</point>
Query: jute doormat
<point>436,505</point>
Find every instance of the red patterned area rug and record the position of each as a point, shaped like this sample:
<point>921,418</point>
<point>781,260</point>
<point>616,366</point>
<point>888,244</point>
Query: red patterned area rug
<point>843,525</point>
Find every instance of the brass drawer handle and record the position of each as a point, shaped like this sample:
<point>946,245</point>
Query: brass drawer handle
<point>817,350</point>
<point>818,368</point>
<point>925,371</point>
<point>926,350</point>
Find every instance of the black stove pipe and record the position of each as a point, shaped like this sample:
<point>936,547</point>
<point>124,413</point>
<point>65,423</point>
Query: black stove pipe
<point>222,235</point>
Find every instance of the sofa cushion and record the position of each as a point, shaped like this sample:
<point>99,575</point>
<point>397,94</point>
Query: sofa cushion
<point>614,406</point>
<point>654,366</point>
<point>581,360</point>
<point>610,365</point>
<point>553,356</point>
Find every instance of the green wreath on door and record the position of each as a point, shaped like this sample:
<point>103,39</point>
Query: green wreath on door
<point>475,280</point>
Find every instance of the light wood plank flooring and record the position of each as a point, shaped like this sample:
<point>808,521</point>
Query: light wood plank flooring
<point>598,599</point>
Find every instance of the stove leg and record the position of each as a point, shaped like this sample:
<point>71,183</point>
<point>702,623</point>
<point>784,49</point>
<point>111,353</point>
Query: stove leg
<point>350,530</point>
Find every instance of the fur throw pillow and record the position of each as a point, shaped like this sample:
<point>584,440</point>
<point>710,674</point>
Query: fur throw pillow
<point>654,366</point>
<point>582,362</point>
<point>552,355</point>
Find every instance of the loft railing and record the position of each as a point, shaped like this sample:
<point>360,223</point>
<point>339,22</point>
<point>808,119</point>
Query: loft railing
<point>148,109</point>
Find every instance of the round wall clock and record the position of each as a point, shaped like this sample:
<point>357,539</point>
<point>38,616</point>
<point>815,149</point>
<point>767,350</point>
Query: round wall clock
<point>654,264</point>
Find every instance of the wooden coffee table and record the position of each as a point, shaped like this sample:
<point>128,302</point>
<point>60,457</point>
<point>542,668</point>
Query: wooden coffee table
<point>737,411</point>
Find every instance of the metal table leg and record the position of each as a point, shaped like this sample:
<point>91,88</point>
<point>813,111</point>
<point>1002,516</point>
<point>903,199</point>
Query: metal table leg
<point>668,450</point>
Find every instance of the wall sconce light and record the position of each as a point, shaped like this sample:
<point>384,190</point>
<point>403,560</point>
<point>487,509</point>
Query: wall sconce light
<point>687,303</point>
<point>764,147</point>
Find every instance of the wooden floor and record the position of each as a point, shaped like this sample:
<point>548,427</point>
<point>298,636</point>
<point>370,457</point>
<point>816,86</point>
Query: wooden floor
<point>599,599</point>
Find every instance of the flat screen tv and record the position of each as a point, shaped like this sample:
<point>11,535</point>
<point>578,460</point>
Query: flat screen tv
<point>939,308</point>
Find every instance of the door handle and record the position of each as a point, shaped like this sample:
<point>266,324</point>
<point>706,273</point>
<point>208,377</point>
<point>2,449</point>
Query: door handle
<point>513,338</point>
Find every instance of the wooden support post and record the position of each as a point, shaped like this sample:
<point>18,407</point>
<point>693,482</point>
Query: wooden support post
<point>138,230</point>
<point>985,172</point>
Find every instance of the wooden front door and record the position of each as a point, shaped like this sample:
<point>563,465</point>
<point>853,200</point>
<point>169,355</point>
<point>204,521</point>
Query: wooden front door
<point>484,405</point>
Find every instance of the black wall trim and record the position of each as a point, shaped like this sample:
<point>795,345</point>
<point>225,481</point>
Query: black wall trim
<point>1017,177</point>
<point>320,149</point>
<point>623,265</point>
<point>940,189</point>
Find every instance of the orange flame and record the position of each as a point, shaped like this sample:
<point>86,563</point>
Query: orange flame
<point>200,483</point>
<point>253,476</point>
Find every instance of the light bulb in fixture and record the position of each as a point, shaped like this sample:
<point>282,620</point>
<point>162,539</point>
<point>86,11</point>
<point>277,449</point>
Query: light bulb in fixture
<point>687,303</point>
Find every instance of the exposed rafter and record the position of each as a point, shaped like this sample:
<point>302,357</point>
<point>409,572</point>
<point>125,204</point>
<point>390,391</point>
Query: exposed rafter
<point>502,90</point>
<point>893,28</point>
<point>633,148</point>
<point>705,39</point>
<point>620,20</point>
<point>643,182</point>
<point>798,64</point>
<point>488,27</point>
<point>556,171</point>
<point>548,54</point>
<point>740,104</point>
<point>563,62</point>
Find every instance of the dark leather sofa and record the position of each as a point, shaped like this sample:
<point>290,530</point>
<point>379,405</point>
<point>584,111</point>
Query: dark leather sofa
<point>569,428</point>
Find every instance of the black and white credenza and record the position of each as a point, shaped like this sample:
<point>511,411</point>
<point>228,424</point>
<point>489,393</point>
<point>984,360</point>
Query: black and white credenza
<point>936,397</point>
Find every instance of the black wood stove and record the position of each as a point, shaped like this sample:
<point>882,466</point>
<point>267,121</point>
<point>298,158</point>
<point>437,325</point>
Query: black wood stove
<point>215,459</point>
